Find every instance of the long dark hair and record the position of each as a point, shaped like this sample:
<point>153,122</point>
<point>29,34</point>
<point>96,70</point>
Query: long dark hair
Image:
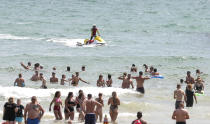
<point>57,93</point>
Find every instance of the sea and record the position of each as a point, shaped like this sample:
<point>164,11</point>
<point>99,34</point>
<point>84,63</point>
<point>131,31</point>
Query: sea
<point>170,35</point>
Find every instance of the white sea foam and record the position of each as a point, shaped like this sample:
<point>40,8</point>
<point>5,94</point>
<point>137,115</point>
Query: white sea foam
<point>66,42</point>
<point>13,37</point>
<point>18,92</point>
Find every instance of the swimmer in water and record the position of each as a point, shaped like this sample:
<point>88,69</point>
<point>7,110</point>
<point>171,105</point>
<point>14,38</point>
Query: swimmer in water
<point>57,106</point>
<point>109,81</point>
<point>27,67</point>
<point>44,82</point>
<point>20,82</point>
<point>100,81</point>
<point>140,82</point>
<point>63,79</point>
<point>189,78</point>
<point>35,77</point>
<point>133,68</point>
<point>75,80</point>
<point>53,79</point>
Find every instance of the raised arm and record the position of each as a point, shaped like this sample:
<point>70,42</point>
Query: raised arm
<point>83,81</point>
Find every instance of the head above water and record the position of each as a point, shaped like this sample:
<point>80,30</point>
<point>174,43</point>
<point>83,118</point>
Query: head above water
<point>178,86</point>
<point>188,73</point>
<point>125,74</point>
<point>133,65</point>
<point>155,70</point>
<point>140,73</point>
<point>29,63</point>
<point>94,25</point>
<point>145,65</point>
<point>20,75</point>
<point>129,76</point>
<point>53,73</point>
<point>83,68</point>
<point>68,68</point>
<point>77,73</point>
<point>139,115</point>
<point>109,76</point>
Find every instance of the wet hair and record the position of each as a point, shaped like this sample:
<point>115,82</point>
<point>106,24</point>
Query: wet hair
<point>178,85</point>
<point>53,73</point>
<point>145,65</point>
<point>36,72</point>
<point>139,115</point>
<point>124,73</point>
<point>20,75</point>
<point>109,76</point>
<point>76,73</point>
<point>63,75</point>
<point>80,91</point>
<point>181,80</point>
<point>188,72</point>
<point>29,63</point>
<point>197,71</point>
<point>155,70</point>
<point>36,65</point>
<point>83,67</point>
<point>80,95</point>
<point>57,93</point>
<point>68,68</point>
<point>133,65</point>
<point>69,95</point>
<point>100,94</point>
<point>100,75</point>
<point>89,96</point>
<point>140,73</point>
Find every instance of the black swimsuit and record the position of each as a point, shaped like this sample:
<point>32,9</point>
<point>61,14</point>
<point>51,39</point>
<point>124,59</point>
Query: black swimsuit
<point>70,108</point>
<point>9,114</point>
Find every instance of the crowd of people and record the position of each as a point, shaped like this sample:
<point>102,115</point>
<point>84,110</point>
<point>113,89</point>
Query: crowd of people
<point>90,110</point>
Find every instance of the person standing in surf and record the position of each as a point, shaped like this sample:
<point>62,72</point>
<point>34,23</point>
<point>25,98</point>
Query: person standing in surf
<point>114,102</point>
<point>140,82</point>
<point>57,105</point>
<point>19,81</point>
<point>180,114</point>
<point>33,112</point>
<point>94,31</point>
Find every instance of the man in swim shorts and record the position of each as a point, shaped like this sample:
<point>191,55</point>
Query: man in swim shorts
<point>19,81</point>
<point>90,105</point>
<point>139,120</point>
<point>114,102</point>
<point>180,115</point>
<point>179,95</point>
<point>140,82</point>
<point>33,112</point>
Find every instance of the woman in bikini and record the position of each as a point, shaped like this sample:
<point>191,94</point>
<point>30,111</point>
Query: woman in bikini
<point>57,103</point>
<point>69,106</point>
<point>114,102</point>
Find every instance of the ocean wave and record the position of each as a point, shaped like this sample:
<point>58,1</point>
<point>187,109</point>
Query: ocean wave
<point>66,42</point>
<point>18,92</point>
<point>13,37</point>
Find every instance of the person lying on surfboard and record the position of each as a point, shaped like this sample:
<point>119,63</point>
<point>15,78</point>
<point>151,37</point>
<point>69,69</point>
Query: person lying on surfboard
<point>94,31</point>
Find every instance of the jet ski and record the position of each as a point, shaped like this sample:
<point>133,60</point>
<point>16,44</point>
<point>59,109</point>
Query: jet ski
<point>98,41</point>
